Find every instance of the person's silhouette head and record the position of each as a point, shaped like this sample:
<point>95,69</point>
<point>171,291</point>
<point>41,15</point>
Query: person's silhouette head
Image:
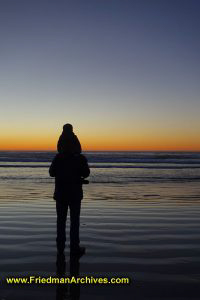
<point>68,128</point>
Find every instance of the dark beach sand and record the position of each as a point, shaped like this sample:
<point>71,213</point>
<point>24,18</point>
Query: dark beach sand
<point>148,232</point>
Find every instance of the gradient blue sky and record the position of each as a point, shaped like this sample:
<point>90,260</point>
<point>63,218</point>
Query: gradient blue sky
<point>124,73</point>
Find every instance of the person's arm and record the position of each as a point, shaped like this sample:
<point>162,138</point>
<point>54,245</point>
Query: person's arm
<point>85,170</point>
<point>52,168</point>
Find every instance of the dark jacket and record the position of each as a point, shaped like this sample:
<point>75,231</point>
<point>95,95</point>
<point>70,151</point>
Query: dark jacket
<point>69,170</point>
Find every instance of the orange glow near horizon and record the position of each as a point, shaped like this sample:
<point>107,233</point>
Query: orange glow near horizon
<point>103,143</point>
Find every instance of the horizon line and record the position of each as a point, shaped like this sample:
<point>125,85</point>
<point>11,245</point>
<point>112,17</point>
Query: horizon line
<point>154,150</point>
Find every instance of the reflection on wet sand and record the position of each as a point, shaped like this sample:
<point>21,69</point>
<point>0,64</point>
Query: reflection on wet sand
<point>65,291</point>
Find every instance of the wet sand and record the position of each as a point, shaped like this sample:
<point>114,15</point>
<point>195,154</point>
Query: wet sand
<point>147,232</point>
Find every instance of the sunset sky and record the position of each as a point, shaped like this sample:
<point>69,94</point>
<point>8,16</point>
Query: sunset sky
<point>125,73</point>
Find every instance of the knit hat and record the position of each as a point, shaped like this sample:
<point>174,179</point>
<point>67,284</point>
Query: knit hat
<point>68,128</point>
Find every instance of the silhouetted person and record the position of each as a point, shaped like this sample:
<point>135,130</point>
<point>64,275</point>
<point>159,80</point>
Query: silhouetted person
<point>69,171</point>
<point>68,141</point>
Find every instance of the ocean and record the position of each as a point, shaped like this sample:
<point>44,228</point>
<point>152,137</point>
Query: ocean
<point>140,219</point>
<point>108,167</point>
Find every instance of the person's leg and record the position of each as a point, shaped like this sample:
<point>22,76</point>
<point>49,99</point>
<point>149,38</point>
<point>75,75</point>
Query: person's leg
<point>75,207</point>
<point>61,209</point>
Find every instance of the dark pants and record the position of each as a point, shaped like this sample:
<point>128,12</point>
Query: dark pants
<point>61,209</point>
